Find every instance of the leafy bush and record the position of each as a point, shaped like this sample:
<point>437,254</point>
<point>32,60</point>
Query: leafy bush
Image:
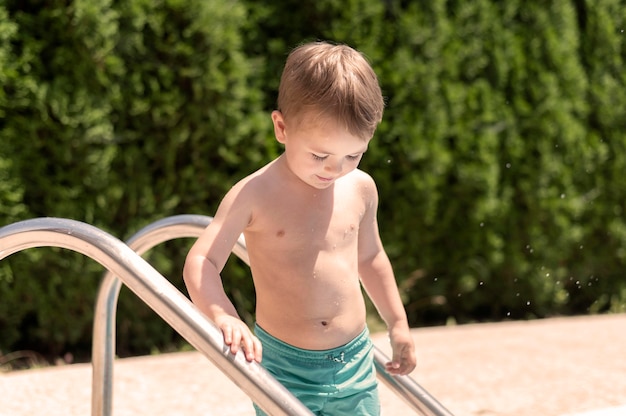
<point>116,114</point>
<point>499,161</point>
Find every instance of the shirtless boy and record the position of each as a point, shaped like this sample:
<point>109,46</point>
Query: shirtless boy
<point>309,221</point>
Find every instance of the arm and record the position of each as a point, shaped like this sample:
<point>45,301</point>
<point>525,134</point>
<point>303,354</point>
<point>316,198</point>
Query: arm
<point>203,266</point>
<point>378,280</point>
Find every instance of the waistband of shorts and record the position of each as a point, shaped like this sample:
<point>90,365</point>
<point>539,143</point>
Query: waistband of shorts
<point>273,343</point>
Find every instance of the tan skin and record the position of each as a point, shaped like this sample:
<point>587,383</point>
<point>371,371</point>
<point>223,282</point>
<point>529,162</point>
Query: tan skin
<point>309,220</point>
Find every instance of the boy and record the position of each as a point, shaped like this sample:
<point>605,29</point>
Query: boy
<point>309,220</point>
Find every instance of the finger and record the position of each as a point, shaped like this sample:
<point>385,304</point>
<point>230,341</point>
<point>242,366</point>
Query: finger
<point>227,331</point>
<point>391,367</point>
<point>406,366</point>
<point>253,348</point>
<point>258,350</point>
<point>402,369</point>
<point>396,361</point>
<point>248,347</point>
<point>235,343</point>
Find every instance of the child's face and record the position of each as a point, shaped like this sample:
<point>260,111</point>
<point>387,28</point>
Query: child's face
<point>319,151</point>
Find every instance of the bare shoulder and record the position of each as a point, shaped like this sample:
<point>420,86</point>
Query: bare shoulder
<point>251,194</point>
<point>251,186</point>
<point>237,206</point>
<point>234,213</point>
<point>365,184</point>
<point>363,178</point>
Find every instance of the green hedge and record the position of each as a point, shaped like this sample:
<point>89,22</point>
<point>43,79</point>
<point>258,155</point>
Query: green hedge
<point>499,162</point>
<point>116,114</point>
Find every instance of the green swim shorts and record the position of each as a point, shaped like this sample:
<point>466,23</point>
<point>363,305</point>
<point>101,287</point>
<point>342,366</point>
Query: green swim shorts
<point>340,381</point>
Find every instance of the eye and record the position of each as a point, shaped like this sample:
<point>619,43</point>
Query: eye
<point>318,158</point>
<point>353,157</point>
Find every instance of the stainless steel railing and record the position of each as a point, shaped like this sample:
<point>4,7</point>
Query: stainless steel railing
<point>160,295</point>
<point>103,346</point>
<point>130,269</point>
<point>191,226</point>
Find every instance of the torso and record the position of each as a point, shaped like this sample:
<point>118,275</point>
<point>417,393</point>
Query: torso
<point>303,252</point>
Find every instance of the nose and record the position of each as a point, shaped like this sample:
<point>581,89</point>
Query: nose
<point>334,166</point>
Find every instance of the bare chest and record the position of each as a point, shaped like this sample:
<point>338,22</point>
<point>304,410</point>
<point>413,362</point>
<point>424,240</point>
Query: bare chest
<point>321,222</point>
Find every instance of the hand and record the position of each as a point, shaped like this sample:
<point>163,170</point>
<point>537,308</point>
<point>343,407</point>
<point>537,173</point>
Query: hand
<point>238,336</point>
<point>403,360</point>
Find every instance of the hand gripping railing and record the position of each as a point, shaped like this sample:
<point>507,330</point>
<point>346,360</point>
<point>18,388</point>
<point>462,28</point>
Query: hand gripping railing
<point>160,295</point>
<point>191,226</point>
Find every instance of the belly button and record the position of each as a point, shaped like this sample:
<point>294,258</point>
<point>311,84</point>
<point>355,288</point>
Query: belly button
<point>324,323</point>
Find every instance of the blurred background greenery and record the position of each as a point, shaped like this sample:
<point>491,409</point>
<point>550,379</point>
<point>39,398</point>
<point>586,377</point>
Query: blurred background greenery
<point>500,161</point>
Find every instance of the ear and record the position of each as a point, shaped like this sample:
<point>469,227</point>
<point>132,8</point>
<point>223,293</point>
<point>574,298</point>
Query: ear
<point>279,126</point>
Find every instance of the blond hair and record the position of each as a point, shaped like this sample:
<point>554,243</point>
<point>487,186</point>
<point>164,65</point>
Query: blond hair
<point>331,81</point>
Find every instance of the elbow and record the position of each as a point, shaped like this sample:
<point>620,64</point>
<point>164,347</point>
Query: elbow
<point>195,267</point>
<point>192,268</point>
<point>371,260</point>
<point>186,270</point>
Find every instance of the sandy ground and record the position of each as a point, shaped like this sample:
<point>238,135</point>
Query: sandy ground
<point>552,367</point>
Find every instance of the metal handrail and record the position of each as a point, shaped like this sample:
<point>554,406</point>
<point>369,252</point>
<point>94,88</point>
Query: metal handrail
<point>141,278</point>
<point>103,345</point>
<point>192,226</point>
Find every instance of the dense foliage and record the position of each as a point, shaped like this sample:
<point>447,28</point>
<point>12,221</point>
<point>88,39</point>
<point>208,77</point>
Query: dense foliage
<point>499,162</point>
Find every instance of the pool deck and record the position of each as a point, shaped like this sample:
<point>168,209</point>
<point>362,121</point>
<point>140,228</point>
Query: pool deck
<point>551,367</point>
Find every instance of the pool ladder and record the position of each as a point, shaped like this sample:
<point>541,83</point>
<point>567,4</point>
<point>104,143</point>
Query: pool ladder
<point>125,265</point>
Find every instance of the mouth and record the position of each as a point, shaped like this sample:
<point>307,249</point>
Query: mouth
<point>323,179</point>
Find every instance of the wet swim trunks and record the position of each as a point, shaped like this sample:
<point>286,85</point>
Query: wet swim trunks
<point>340,381</point>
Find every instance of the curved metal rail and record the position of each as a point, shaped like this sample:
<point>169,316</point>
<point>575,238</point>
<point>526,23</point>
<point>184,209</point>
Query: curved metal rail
<point>192,226</point>
<point>157,293</point>
<point>103,346</point>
